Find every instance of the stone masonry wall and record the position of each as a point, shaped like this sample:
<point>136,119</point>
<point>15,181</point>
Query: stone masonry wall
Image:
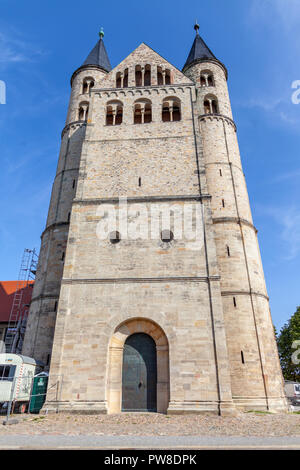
<point>42,316</point>
<point>105,284</point>
<point>255,372</point>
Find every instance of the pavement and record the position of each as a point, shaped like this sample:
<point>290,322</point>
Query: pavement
<point>81,442</point>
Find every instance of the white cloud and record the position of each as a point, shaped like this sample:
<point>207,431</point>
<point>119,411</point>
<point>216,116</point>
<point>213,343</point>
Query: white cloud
<point>14,50</point>
<point>288,176</point>
<point>280,111</point>
<point>285,13</point>
<point>288,218</point>
<point>288,11</point>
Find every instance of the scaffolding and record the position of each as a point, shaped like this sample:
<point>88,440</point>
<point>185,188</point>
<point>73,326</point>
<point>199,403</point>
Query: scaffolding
<point>19,311</point>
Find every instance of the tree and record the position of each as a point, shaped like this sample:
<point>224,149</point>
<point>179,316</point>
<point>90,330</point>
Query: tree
<point>288,342</point>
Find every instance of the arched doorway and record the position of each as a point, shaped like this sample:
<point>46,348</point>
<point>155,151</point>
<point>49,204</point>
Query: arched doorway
<point>118,344</point>
<point>139,373</point>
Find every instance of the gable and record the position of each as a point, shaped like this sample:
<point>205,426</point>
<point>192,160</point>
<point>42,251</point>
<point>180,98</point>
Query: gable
<point>143,56</point>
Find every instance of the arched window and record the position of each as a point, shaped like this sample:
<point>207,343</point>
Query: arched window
<point>167,77</point>
<point>210,80</point>
<point>142,111</point>
<point>122,79</point>
<point>206,78</point>
<point>163,76</point>
<point>207,107</point>
<point>215,108</point>
<point>143,75</point>
<point>83,111</point>
<point>138,76</point>
<point>159,76</point>
<point>125,80</point>
<point>147,75</point>
<point>88,84</point>
<point>114,113</point>
<point>118,80</point>
<point>211,105</point>
<point>171,109</point>
<point>85,88</point>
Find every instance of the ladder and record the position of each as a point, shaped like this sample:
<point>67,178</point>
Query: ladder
<point>19,311</point>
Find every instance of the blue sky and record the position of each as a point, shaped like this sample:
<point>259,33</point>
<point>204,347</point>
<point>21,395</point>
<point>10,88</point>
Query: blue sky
<point>42,43</point>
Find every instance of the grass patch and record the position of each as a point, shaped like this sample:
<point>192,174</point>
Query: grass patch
<point>259,412</point>
<point>38,418</point>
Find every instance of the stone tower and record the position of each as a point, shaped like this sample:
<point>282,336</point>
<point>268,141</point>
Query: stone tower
<point>151,311</point>
<point>41,322</point>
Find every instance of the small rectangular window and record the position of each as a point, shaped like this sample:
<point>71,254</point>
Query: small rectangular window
<point>63,256</point>
<point>74,182</point>
<point>242,357</point>
<point>140,181</point>
<point>55,307</point>
<point>234,301</point>
<point>220,172</point>
<point>223,203</point>
<point>228,250</point>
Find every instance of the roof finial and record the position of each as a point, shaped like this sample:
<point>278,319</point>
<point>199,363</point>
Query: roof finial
<point>101,34</point>
<point>196,27</point>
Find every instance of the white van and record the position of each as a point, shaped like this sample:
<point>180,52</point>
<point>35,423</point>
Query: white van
<point>16,376</point>
<point>292,391</point>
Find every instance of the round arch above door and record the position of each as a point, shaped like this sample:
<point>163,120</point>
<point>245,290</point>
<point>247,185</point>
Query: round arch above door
<point>118,341</point>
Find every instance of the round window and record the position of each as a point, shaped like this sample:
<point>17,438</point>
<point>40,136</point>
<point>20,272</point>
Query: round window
<point>167,236</point>
<point>114,237</point>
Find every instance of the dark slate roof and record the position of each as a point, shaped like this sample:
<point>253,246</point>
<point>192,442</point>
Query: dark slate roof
<point>98,56</point>
<point>199,51</point>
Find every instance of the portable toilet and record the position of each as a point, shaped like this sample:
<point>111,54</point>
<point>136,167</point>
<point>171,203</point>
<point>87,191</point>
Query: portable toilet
<point>38,394</point>
<point>16,376</point>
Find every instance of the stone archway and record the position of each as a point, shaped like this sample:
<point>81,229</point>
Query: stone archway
<point>115,362</point>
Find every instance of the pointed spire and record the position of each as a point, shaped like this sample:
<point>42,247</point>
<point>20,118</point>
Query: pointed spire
<point>199,51</point>
<point>98,56</point>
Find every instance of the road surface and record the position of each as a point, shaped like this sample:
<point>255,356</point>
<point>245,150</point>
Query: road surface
<point>144,442</point>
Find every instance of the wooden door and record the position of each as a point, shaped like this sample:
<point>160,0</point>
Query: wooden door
<point>139,374</point>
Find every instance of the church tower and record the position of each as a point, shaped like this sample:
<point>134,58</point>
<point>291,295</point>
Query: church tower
<point>43,309</point>
<point>150,293</point>
<point>256,378</point>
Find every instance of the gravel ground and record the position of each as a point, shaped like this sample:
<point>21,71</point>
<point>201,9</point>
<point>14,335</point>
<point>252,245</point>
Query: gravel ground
<point>151,424</point>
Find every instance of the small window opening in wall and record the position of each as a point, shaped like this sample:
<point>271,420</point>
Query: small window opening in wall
<point>85,88</point>
<point>63,256</point>
<point>167,236</point>
<point>223,203</point>
<point>140,181</point>
<point>114,237</point>
<point>69,216</point>
<point>242,357</point>
<point>147,75</point>
<point>125,82</point>
<point>48,359</point>
<point>55,306</point>
<point>234,301</point>
<point>220,172</point>
<point>228,250</point>
<point>73,185</point>
<point>168,77</point>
